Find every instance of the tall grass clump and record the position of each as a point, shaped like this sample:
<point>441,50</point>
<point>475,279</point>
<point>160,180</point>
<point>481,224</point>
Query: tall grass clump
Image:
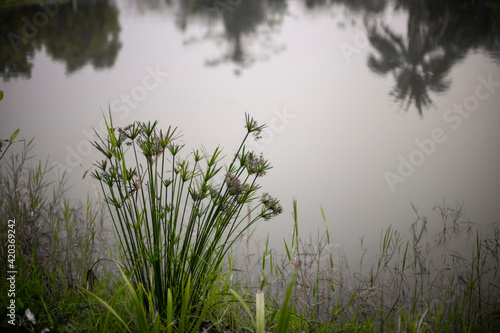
<point>441,277</point>
<point>54,241</point>
<point>176,217</point>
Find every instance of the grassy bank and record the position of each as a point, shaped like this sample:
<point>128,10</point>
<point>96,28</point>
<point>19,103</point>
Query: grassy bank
<point>188,278</point>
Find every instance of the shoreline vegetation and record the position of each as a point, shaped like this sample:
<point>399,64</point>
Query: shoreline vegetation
<point>180,264</point>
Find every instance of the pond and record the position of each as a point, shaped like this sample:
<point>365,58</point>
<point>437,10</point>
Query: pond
<point>371,106</point>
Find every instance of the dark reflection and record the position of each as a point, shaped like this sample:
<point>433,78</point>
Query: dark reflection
<point>75,35</point>
<point>248,25</point>
<point>367,6</point>
<point>440,34</point>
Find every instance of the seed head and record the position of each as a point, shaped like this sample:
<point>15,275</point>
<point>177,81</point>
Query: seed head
<point>252,127</point>
<point>271,208</point>
<point>233,184</point>
<point>254,164</point>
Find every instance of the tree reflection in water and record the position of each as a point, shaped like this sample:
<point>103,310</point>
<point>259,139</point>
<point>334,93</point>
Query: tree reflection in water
<point>439,35</point>
<point>75,36</point>
<point>248,29</point>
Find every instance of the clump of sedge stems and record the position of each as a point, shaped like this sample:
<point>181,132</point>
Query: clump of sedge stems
<point>174,221</point>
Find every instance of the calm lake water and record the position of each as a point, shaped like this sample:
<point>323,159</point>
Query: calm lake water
<point>372,106</point>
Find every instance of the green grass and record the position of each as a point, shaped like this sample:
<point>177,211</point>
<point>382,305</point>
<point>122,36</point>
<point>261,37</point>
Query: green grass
<point>54,240</point>
<point>419,285</point>
<point>418,281</point>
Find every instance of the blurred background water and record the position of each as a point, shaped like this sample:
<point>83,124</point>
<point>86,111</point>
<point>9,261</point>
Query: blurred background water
<point>372,105</point>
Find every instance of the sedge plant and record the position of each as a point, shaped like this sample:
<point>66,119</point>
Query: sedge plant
<point>176,217</point>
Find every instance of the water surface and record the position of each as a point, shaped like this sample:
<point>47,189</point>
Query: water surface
<point>372,106</point>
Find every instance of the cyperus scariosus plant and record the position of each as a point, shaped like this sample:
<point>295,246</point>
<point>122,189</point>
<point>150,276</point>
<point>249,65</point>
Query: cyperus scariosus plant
<point>174,221</point>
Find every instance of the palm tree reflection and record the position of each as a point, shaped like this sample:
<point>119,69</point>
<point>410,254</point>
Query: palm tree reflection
<point>419,64</point>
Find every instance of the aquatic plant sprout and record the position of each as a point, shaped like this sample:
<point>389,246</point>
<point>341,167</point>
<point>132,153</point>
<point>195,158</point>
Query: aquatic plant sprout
<point>174,222</point>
